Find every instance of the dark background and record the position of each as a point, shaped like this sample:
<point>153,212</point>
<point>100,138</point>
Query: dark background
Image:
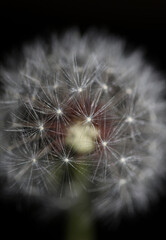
<point>142,24</point>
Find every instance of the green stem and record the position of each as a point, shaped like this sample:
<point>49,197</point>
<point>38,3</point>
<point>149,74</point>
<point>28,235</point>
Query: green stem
<point>80,220</point>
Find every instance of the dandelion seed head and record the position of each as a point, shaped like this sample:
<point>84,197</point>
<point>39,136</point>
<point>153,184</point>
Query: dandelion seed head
<point>104,113</point>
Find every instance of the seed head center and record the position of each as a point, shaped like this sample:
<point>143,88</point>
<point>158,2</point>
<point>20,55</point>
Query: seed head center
<point>81,137</point>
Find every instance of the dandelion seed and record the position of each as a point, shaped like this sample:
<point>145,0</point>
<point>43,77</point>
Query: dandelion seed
<point>41,127</point>
<point>80,89</point>
<point>129,91</point>
<point>123,160</point>
<point>88,119</point>
<point>122,182</point>
<point>104,144</point>
<point>129,119</point>
<point>33,98</point>
<point>34,160</point>
<point>66,160</point>
<point>105,87</point>
<point>55,86</point>
<point>59,111</point>
<point>109,70</point>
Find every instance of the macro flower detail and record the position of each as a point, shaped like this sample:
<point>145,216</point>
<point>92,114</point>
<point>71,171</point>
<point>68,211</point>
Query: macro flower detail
<point>82,114</point>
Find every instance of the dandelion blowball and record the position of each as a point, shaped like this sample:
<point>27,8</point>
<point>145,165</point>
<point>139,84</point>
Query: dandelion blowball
<point>80,115</point>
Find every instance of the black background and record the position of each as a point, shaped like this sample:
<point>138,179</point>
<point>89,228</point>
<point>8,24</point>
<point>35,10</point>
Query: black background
<point>141,23</point>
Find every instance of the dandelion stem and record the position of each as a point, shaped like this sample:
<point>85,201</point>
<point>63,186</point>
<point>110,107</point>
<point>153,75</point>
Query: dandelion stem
<point>80,221</point>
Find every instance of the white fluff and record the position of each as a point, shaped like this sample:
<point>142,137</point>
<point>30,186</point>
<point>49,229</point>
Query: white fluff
<point>124,171</point>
